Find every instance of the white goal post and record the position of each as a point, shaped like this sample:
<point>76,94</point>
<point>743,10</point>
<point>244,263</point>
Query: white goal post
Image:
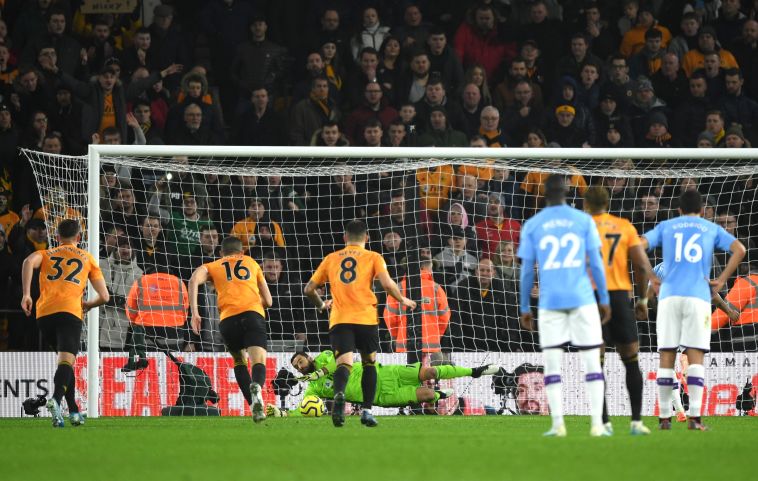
<point>590,162</point>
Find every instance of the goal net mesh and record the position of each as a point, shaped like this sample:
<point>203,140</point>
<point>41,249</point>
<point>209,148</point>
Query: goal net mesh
<point>169,214</point>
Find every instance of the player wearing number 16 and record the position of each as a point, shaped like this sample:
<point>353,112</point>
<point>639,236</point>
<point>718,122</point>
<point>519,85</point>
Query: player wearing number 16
<point>353,321</point>
<point>64,271</point>
<point>242,296</point>
<point>684,308</point>
<point>563,241</point>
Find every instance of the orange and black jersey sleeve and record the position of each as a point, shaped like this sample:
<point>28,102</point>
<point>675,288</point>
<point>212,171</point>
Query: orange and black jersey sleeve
<point>236,279</point>
<point>64,272</point>
<point>350,273</point>
<point>618,236</point>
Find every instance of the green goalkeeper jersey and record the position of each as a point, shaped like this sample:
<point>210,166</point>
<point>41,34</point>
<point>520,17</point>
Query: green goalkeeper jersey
<point>324,387</point>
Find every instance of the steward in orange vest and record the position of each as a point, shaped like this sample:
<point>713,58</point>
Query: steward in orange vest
<point>435,315</point>
<point>743,297</point>
<point>157,308</point>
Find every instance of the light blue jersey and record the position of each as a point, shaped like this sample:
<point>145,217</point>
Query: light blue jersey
<point>688,243</point>
<point>561,240</point>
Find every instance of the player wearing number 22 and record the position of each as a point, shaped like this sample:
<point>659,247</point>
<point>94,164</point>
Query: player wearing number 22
<point>242,296</point>
<point>684,308</point>
<point>562,240</point>
<point>353,321</point>
<point>64,271</point>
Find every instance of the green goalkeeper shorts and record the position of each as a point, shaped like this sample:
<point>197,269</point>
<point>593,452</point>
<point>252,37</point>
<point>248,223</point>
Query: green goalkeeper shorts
<point>397,385</point>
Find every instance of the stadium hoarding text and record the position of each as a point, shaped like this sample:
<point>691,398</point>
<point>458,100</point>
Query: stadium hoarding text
<point>26,374</point>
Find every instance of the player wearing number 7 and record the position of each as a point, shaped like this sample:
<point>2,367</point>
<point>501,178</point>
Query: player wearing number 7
<point>353,321</point>
<point>684,308</point>
<point>242,296</point>
<point>64,271</point>
<point>563,241</point>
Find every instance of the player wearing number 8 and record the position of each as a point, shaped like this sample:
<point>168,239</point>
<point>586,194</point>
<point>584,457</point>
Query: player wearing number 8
<point>561,240</point>
<point>353,322</point>
<point>64,271</point>
<point>684,310</point>
<point>242,296</point>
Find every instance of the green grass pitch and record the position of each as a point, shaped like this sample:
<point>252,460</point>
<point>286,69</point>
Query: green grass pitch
<point>414,448</point>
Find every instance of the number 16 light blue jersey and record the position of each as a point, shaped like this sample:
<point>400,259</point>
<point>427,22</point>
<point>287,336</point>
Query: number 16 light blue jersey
<point>561,239</point>
<point>688,243</point>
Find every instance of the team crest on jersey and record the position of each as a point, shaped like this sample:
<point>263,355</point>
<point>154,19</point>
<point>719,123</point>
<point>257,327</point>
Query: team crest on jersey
<point>328,384</point>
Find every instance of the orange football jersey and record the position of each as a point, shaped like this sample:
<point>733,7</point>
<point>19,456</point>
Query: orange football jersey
<point>618,236</point>
<point>236,279</point>
<point>350,273</point>
<point>63,278</point>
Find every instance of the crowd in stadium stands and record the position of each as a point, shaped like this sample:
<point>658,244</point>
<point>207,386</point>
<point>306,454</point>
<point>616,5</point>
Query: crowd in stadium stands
<point>498,73</point>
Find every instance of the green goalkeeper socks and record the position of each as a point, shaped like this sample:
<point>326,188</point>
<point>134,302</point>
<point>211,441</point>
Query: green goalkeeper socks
<point>452,372</point>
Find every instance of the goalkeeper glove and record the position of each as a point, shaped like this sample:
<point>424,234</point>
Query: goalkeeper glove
<point>313,376</point>
<point>274,412</point>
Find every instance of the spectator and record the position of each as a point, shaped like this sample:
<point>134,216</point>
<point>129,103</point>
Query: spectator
<point>396,133</point>
<point>643,104</point>
<point>329,136</point>
<point>259,62</point>
<point>687,40</point>
<point>580,54</point>
<point>209,251</point>
<point>607,116</point>
<point>525,114</point>
<point>730,21</point>
<point>744,50</point>
<point>714,124</point>
<point>139,54</point>
<point>391,68</point>
<point>285,317</point>
<point>373,107</point>
<point>649,213</point>
<point>487,311</point>
<point>156,95</point>
<point>371,35</point>
<point>506,263</point>
<point>8,218</point>
<point>546,32</point>
<point>567,94</point>
<point>458,216</point>
<point>436,96</point>
<point>120,271</point>
<point>192,131</point>
<point>247,229</point>
<point>588,90</point>
<point>414,31</point>
<point>331,31</point>
<point>630,9</point>
<point>504,183</point>
<point>620,85</point>
<point>477,41</point>
<point>634,40</point>
<point>124,211</point>
<point>472,106</point>
<point>31,96</point>
<point>455,262</point>
<point>143,114</point>
<point>564,130</point>
<point>742,332</point>
<point>413,85</point>
<point>476,75</point>
<point>734,138</point>
<point>535,69</point>
<point>705,140</point>
<point>706,43</point>
<point>152,249</point>
<point>314,67</point>
<point>444,62</point>
<point>622,197</point>
<point>657,135</point>
<point>185,227</point>
<point>310,114</point>
<point>648,60</point>
<point>738,107</point>
<point>67,49</point>
<point>167,42</point>
<point>603,36</point>
<point>439,133</point>
<point>333,69</point>
<point>8,71</point>
<point>505,90</point>
<point>260,125</point>
<point>729,221</point>
<point>394,252</point>
<point>689,116</point>
<point>670,83</point>
<point>489,127</point>
<point>534,187</point>
<point>496,227</point>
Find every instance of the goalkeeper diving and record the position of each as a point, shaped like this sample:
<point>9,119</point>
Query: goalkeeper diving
<point>397,385</point>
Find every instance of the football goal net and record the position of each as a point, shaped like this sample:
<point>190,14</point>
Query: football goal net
<point>446,216</point>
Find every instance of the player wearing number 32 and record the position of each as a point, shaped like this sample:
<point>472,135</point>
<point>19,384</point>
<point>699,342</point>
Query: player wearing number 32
<point>563,241</point>
<point>242,296</point>
<point>353,321</point>
<point>64,271</point>
<point>684,308</point>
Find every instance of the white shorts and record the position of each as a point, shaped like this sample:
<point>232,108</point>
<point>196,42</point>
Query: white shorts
<point>683,322</point>
<point>579,327</point>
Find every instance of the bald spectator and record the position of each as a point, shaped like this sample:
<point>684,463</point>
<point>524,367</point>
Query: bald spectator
<point>192,131</point>
<point>670,82</point>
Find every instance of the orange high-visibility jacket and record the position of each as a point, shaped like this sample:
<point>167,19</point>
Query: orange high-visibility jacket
<point>743,296</point>
<point>158,300</point>
<point>435,315</point>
